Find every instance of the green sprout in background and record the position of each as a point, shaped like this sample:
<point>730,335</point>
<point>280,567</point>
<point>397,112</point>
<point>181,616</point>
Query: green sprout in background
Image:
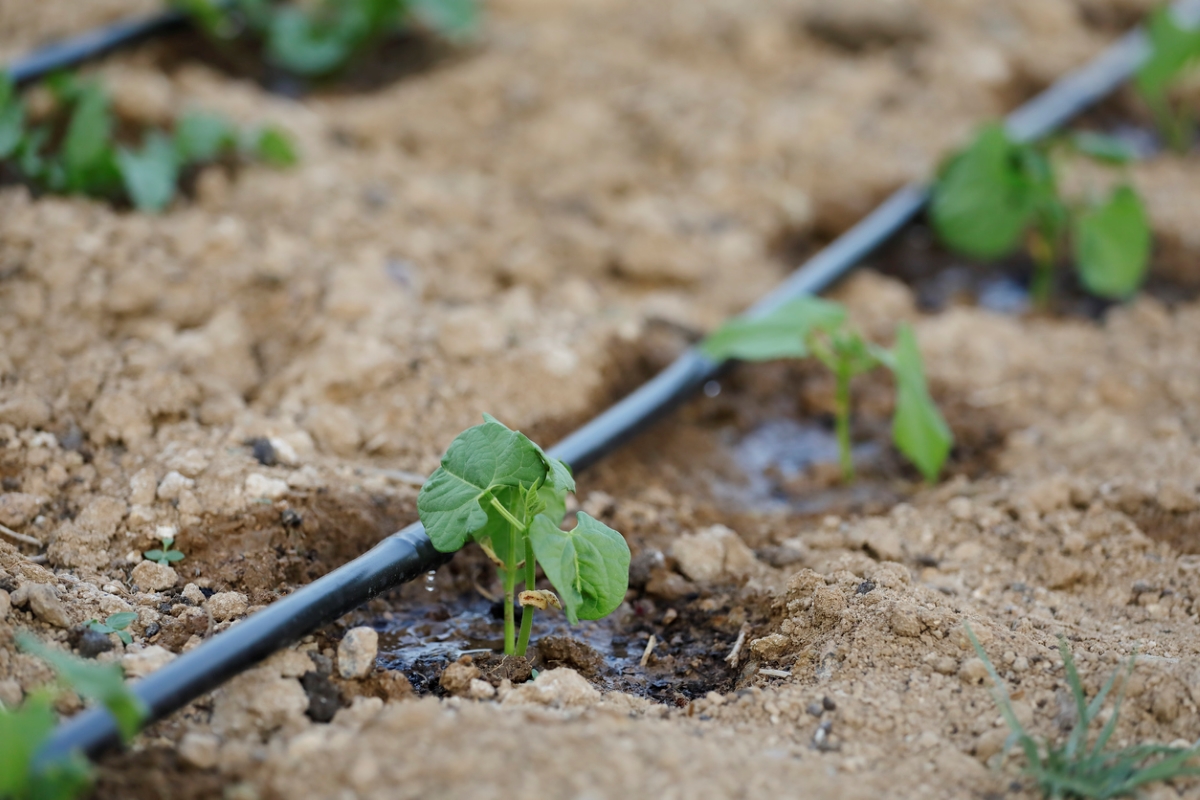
<point>1173,51</point>
<point>1075,768</point>
<point>319,39</point>
<point>998,193</point>
<point>810,326</point>
<point>166,554</point>
<point>24,730</point>
<point>499,489</point>
<point>76,152</point>
<point>115,623</point>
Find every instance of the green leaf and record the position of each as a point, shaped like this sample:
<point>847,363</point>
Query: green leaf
<point>173,555</point>
<point>12,117</point>
<point>480,459</point>
<point>88,140</point>
<point>986,197</point>
<point>451,18</point>
<point>104,683</point>
<point>1112,245</point>
<point>299,44</point>
<point>918,429</point>
<point>274,147</point>
<point>1103,147</point>
<point>1172,48</point>
<point>783,333</point>
<point>588,565</point>
<point>200,136</point>
<point>156,555</point>
<point>121,620</point>
<point>149,174</point>
<point>22,731</point>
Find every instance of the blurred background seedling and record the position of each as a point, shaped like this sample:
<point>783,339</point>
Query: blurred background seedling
<point>75,149</point>
<point>314,40</point>
<point>115,623</point>
<point>1174,53</point>
<point>998,194</point>
<point>165,554</point>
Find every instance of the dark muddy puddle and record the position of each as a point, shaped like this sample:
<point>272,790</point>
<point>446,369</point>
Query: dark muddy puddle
<point>691,639</point>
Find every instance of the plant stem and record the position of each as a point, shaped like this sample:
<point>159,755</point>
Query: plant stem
<point>1042,285</point>
<point>842,416</point>
<point>510,581</point>
<point>530,585</point>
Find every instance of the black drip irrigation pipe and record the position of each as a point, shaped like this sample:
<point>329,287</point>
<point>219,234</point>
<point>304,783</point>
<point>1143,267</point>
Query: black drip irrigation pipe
<point>407,554</point>
<point>93,44</point>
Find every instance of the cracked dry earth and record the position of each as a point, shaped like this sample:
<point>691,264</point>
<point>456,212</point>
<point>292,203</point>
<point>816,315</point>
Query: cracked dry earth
<point>531,227</point>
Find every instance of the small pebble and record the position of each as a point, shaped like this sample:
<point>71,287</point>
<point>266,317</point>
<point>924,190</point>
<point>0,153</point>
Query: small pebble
<point>828,703</point>
<point>150,576</point>
<point>815,709</point>
<point>92,643</point>
<point>227,605</point>
<point>356,652</point>
<point>199,750</point>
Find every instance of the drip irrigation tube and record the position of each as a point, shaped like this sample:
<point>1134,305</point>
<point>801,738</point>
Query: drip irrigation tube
<point>93,44</point>
<point>409,553</point>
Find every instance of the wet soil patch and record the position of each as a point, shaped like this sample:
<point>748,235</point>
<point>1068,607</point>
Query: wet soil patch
<point>154,773</point>
<point>668,651</point>
<point>402,56</point>
<point>940,279</point>
<point>292,542</point>
<point>761,441</point>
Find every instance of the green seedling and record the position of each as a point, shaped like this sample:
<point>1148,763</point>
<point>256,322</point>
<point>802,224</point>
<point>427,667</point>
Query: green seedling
<point>1173,51</point>
<point>115,623</point>
<point>76,151</point>
<point>1079,768</point>
<point>497,488</point>
<point>997,194</point>
<point>24,730</point>
<point>322,38</point>
<point>165,554</point>
<point>809,326</point>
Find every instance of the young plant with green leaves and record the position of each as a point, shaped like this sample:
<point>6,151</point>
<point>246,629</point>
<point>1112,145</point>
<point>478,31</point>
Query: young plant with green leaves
<point>115,623</point>
<point>167,554</point>
<point>999,194</point>
<point>25,729</point>
<point>1174,50</point>
<point>809,326</point>
<point>497,488</point>
<point>318,39</point>
<point>1082,767</point>
<point>76,150</point>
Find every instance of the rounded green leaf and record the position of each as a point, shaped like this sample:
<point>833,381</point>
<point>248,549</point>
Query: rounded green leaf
<point>783,333</point>
<point>480,459</point>
<point>149,174</point>
<point>918,428</point>
<point>983,201</point>
<point>200,136</point>
<point>121,620</point>
<point>588,565</point>
<point>1112,245</point>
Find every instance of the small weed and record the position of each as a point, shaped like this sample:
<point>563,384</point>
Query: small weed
<point>1075,768</point>
<point>501,490</point>
<point>165,554</point>
<point>24,730</point>
<point>808,327</point>
<point>323,38</point>
<point>998,193</point>
<point>1173,51</point>
<point>75,151</point>
<point>116,623</point>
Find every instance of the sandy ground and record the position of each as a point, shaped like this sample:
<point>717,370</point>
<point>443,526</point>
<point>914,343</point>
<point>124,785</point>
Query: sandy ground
<point>529,228</point>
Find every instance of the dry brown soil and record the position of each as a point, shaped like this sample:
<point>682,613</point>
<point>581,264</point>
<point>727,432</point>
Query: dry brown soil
<point>530,227</point>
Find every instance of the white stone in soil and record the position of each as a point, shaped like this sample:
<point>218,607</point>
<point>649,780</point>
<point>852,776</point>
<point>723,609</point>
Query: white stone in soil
<point>150,576</point>
<point>142,662</point>
<point>172,484</point>
<point>258,485</point>
<point>357,651</point>
<point>200,750</point>
<point>227,605</point>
